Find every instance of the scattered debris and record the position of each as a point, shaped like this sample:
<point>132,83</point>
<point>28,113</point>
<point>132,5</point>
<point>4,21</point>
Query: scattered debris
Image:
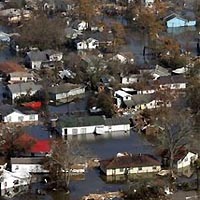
<point>104,196</point>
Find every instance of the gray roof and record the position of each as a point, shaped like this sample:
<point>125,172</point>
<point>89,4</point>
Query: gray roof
<point>40,55</point>
<point>138,99</point>
<point>27,160</point>
<point>24,87</point>
<point>82,121</point>
<point>171,79</point>
<point>92,121</point>
<point>117,121</point>
<point>6,109</point>
<point>66,87</point>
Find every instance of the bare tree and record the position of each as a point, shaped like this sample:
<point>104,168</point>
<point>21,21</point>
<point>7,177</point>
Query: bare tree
<point>175,129</point>
<point>65,155</point>
<point>41,32</point>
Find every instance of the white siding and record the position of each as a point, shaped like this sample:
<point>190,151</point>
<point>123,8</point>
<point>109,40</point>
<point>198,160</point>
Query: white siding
<point>18,94</point>
<point>34,168</point>
<point>11,180</point>
<point>189,158</point>
<point>134,170</point>
<point>122,127</point>
<point>36,64</point>
<point>17,116</point>
<point>78,130</point>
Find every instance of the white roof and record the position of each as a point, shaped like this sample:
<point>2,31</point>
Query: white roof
<point>21,175</point>
<point>122,93</point>
<point>181,70</point>
<point>128,89</point>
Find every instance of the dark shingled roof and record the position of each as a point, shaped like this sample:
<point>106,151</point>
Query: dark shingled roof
<point>130,160</point>
<point>27,160</point>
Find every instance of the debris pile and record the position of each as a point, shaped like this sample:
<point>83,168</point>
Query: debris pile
<point>104,196</point>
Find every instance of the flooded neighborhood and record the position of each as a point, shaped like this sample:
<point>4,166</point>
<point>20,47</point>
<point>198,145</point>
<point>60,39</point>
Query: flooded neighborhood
<point>99,100</point>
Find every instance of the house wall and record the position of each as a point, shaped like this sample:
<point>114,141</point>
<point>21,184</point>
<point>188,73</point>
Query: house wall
<point>36,64</point>
<point>81,45</point>
<point>31,168</point>
<point>82,26</point>
<point>191,23</point>
<point>189,158</point>
<point>133,170</point>
<point>8,183</point>
<point>64,95</point>
<point>56,57</point>
<point>112,128</point>
<point>146,91</point>
<point>78,130</point>
<point>20,117</point>
<point>175,22</point>
<point>18,94</point>
<point>148,2</point>
<point>93,44</point>
<point>21,79</point>
<point>129,80</point>
<point>174,86</point>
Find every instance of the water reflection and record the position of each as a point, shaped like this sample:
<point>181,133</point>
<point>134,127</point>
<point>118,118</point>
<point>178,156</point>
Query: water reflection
<point>94,137</point>
<point>180,30</point>
<point>186,171</point>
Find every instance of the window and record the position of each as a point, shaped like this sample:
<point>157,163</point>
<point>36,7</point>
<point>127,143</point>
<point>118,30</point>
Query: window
<point>17,167</point>
<point>139,168</point>
<point>83,130</point>
<point>9,118</point>
<point>154,167</point>
<point>32,117</point>
<point>121,170</point>
<point>16,182</point>
<point>20,118</point>
<point>186,159</point>
<point>74,131</point>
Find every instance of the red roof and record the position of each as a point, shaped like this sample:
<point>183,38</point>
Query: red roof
<point>9,67</point>
<point>37,146</point>
<point>41,146</point>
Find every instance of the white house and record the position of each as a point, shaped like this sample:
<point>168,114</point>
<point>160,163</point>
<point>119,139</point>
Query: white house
<point>93,124</point>
<point>126,163</point>
<point>19,89</point>
<point>148,3</point>
<point>81,45</point>
<point>36,59</point>
<point>27,164</point>
<point>80,25</point>
<point>21,115</point>
<point>121,97</point>
<point>130,79</point>
<point>174,20</point>
<point>176,82</point>
<point>92,43</point>
<point>13,182</point>
<point>124,58</point>
<point>4,37</point>
<point>89,44</point>
<point>16,77</point>
<point>187,160</point>
<point>66,92</point>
